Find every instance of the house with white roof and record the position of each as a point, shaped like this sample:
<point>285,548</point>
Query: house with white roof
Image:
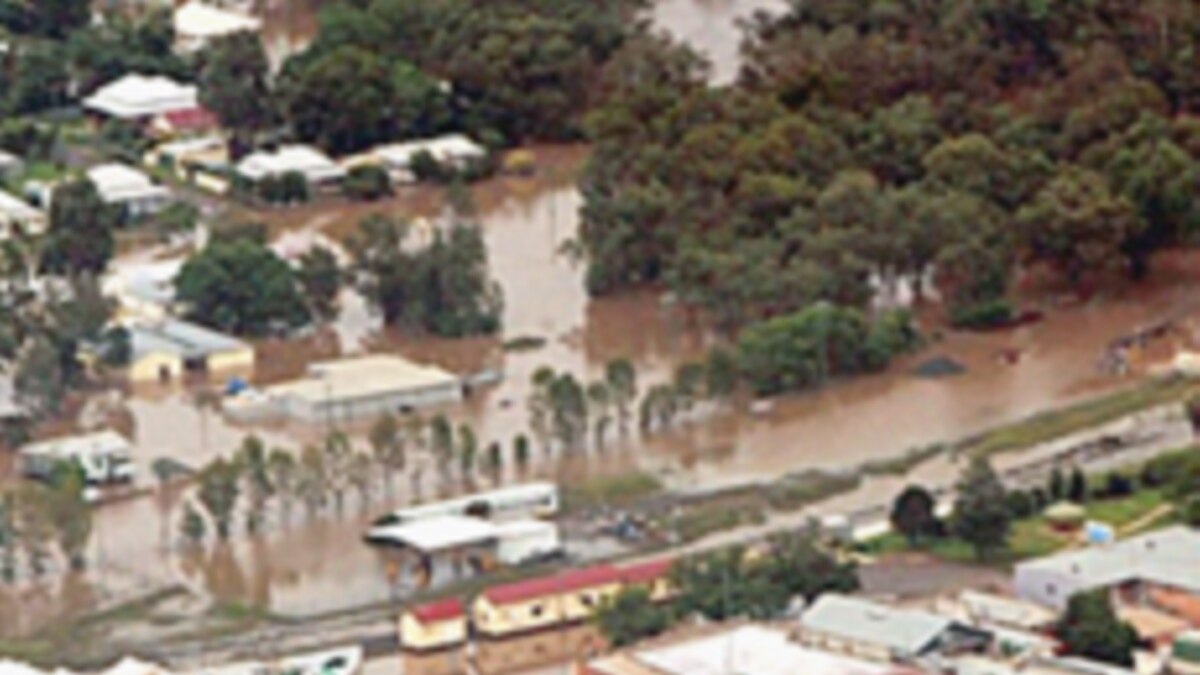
<point>1160,570</point>
<point>199,23</point>
<point>452,151</point>
<point>316,167</point>
<point>165,349</point>
<point>17,215</point>
<point>869,630</point>
<point>125,186</point>
<point>137,98</point>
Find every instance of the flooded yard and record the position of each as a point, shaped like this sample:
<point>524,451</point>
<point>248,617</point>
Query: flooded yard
<point>321,565</point>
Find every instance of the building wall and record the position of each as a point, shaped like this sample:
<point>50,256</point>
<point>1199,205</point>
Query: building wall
<point>150,368</point>
<point>1175,601</point>
<point>538,613</point>
<point>315,411</point>
<point>434,635</point>
<point>840,645</point>
<point>242,359</point>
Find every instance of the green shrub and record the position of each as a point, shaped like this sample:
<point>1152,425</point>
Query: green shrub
<point>367,183</point>
<point>989,314</point>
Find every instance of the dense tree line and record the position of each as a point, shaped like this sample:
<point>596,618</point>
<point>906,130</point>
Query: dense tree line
<point>504,71</point>
<point>37,519</point>
<point>867,142</point>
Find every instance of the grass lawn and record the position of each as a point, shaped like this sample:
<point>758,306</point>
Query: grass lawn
<point>1058,423</point>
<point>1032,537</point>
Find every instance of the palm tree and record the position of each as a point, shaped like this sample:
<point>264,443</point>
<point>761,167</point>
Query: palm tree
<point>441,440</point>
<point>282,469</point>
<point>359,477</point>
<point>599,398</point>
<point>539,406</point>
<point>468,449</point>
<point>337,455</point>
<point>621,378</point>
<point>388,447</point>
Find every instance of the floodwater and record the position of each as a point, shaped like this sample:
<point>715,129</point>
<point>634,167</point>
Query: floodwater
<point>308,566</point>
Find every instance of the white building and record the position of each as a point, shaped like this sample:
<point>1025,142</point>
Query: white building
<point>199,23</point>
<point>1155,567</point>
<point>16,215</point>
<point>127,187</point>
<point>316,167</point>
<point>137,97</point>
<point>453,151</point>
<point>362,388</point>
<point>104,456</point>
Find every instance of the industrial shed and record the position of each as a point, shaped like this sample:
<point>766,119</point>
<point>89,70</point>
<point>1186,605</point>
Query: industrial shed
<point>164,350</point>
<point>363,387</point>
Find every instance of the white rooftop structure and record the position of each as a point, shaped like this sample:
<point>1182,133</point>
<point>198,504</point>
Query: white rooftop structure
<point>1169,557</point>
<point>314,165</point>
<point>748,650</point>
<point>180,338</point>
<point>17,213</point>
<point>366,386</point>
<point>450,148</point>
<point>436,534</point>
<point>197,23</point>
<point>103,456</point>
<point>122,184</point>
<point>880,628</point>
<point>138,96</point>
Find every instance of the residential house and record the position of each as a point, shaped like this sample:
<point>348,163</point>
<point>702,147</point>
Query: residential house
<point>869,630</point>
<point>543,603</point>
<point>139,98</point>
<point>316,167</point>
<point>1158,570</point>
<point>124,186</point>
<point>184,123</point>
<point>18,216</point>
<point>198,23</point>
<point>432,626</point>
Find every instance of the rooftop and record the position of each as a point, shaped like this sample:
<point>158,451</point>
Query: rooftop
<point>15,208</point>
<point>315,165</point>
<point>119,182</point>
<point>97,443</point>
<point>748,650</point>
<point>1170,557</point>
<point>136,96</point>
<point>438,610</point>
<point>364,377</point>
<point>180,338</point>
<point>900,631</point>
<point>204,21</point>
<point>435,534</point>
<point>567,582</point>
<point>191,119</point>
<point>442,148</point>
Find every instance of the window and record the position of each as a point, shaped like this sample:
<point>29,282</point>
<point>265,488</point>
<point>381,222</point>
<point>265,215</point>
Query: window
<point>586,600</point>
<point>1051,590</point>
<point>535,611</point>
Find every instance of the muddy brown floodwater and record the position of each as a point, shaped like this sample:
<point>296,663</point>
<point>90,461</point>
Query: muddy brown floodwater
<point>304,567</point>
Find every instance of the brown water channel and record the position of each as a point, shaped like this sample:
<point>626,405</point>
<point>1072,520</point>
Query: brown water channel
<point>307,567</point>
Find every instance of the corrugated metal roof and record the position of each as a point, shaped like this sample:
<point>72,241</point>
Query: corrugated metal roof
<point>180,338</point>
<point>904,632</point>
<point>1170,556</point>
<point>567,582</point>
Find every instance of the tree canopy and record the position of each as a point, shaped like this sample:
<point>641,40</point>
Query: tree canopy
<point>241,287</point>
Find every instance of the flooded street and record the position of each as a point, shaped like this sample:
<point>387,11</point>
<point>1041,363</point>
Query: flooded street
<point>305,567</point>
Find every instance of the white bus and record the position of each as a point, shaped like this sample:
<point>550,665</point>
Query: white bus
<point>104,457</point>
<point>536,500</point>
